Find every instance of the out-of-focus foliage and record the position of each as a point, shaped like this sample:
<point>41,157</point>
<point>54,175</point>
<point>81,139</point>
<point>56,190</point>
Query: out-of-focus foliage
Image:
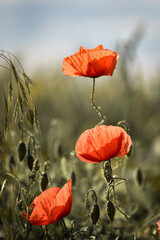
<point>64,111</point>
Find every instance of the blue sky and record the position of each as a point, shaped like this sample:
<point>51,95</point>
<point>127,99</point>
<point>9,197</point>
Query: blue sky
<point>43,32</point>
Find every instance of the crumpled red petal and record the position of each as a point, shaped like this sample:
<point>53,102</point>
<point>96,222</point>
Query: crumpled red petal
<point>90,62</point>
<point>102,143</point>
<point>51,205</point>
<point>63,202</point>
<point>158,223</point>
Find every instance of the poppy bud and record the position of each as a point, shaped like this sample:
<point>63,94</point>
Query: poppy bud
<point>30,161</point>
<point>44,181</point>
<point>95,214</point>
<point>21,151</point>
<point>110,210</point>
<point>139,177</point>
<point>30,116</point>
<point>60,150</point>
<point>107,171</point>
<point>12,164</point>
<point>73,176</point>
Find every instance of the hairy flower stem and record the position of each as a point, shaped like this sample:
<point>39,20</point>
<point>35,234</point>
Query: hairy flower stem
<point>46,233</point>
<point>95,106</point>
<point>95,196</point>
<point>28,227</point>
<point>107,172</point>
<point>63,225</point>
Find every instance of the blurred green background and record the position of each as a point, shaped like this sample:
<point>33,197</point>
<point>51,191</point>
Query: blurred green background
<point>63,102</point>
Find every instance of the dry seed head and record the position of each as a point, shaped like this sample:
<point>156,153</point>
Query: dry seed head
<point>30,116</point>
<point>110,210</point>
<point>21,151</point>
<point>44,181</point>
<point>30,161</point>
<point>95,214</point>
<point>36,119</point>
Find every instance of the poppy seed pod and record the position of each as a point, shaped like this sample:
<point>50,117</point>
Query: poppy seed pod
<point>102,143</point>
<point>110,210</point>
<point>21,151</point>
<point>90,62</point>
<point>51,205</point>
<point>95,214</point>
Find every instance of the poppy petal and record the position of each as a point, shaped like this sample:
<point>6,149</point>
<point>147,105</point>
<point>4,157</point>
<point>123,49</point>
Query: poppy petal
<point>41,207</point>
<point>90,62</point>
<point>102,143</point>
<point>59,200</point>
<point>158,223</point>
<point>63,202</point>
<point>83,50</point>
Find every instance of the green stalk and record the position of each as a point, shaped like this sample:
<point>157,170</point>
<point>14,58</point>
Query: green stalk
<point>97,109</point>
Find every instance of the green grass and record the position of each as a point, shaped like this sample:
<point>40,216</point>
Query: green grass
<point>64,112</point>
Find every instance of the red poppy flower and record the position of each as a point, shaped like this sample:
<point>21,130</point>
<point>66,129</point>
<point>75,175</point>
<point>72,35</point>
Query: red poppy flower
<point>158,223</point>
<point>102,143</point>
<point>90,62</point>
<point>51,205</point>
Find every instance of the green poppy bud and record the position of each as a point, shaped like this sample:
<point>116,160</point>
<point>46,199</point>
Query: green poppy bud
<point>21,151</point>
<point>44,181</point>
<point>110,210</point>
<point>95,214</point>
<point>30,161</point>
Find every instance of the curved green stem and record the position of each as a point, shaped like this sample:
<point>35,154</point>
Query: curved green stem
<point>124,125</point>
<point>46,232</point>
<point>95,196</point>
<point>63,224</point>
<point>115,203</point>
<point>95,106</point>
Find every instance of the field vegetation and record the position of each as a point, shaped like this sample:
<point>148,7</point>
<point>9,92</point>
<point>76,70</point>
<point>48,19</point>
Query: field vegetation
<point>40,121</point>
